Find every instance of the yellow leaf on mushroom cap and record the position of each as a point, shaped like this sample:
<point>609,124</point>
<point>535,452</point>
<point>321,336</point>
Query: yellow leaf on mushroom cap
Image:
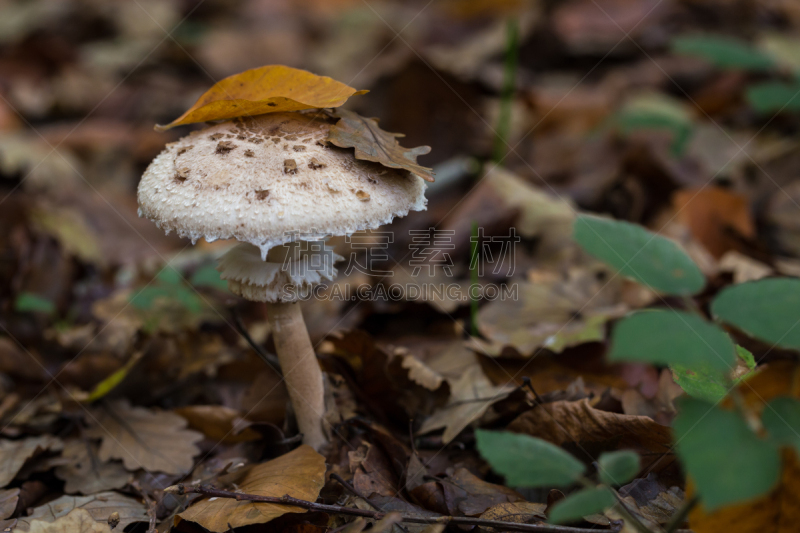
<point>267,89</point>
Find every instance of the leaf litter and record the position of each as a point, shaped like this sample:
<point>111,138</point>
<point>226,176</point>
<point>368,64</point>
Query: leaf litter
<point>160,375</point>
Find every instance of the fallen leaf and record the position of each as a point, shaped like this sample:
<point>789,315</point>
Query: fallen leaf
<point>143,438</point>
<point>99,507</point>
<point>470,397</point>
<point>516,512</point>
<point>744,268</point>
<point>85,473</point>
<point>468,495</point>
<point>374,144</point>
<point>299,473</point>
<point>651,501</point>
<point>218,423</point>
<point>14,453</point>
<point>76,521</point>
<point>553,313</point>
<point>268,89</point>
<point>8,502</point>
<point>579,423</point>
<point>372,473</point>
<point>715,217</point>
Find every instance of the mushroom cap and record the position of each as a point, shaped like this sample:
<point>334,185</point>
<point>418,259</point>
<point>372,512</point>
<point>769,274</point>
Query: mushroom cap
<point>271,179</point>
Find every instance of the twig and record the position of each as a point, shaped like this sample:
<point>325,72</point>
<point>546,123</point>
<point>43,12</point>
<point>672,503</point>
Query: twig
<point>206,490</point>
<point>680,515</point>
<point>352,490</point>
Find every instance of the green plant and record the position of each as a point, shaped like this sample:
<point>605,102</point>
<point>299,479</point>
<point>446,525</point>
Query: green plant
<point>774,56</point>
<point>703,358</point>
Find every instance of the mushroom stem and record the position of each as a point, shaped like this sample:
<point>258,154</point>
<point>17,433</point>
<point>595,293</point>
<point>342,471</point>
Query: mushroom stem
<point>301,370</point>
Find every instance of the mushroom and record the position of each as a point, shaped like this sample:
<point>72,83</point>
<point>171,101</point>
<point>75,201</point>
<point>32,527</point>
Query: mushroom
<point>273,183</point>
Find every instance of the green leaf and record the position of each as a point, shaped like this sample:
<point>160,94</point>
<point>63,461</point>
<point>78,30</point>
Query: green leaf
<point>768,309</point>
<point>781,418</point>
<point>527,461</point>
<point>746,356</point>
<point>667,337</point>
<point>208,276</point>
<point>656,112</point>
<point>650,259</point>
<point>27,302</point>
<point>617,468</point>
<point>707,385</point>
<point>582,503</point>
<point>723,52</point>
<point>771,97</point>
<point>727,461</point>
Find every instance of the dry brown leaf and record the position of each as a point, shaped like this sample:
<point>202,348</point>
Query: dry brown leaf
<point>744,268</point>
<point>373,472</point>
<point>76,521</point>
<point>144,438</point>
<point>467,494</point>
<point>471,395</point>
<point>300,474</point>
<point>579,423</point>
<point>715,217</point>
<point>268,89</point>
<point>419,373</point>
<point>8,502</point>
<point>553,313</point>
<point>374,144</point>
<point>85,473</point>
<point>516,512</point>
<point>14,453</point>
<point>778,511</point>
<point>99,506</point>
<point>218,423</point>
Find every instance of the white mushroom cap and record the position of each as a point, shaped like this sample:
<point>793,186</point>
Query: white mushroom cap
<point>262,179</point>
<point>287,276</point>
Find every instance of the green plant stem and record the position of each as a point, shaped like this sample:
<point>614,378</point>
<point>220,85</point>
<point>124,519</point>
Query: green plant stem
<point>680,515</point>
<point>507,95</point>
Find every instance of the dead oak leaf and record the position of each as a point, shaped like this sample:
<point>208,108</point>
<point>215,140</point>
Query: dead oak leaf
<point>144,438</point>
<point>268,89</point>
<point>14,453</point>
<point>85,473</point>
<point>516,512</point>
<point>99,506</point>
<point>579,423</point>
<point>374,144</point>
<point>467,494</point>
<point>470,397</point>
<point>218,423</point>
<point>299,473</point>
<point>8,502</point>
<point>77,521</point>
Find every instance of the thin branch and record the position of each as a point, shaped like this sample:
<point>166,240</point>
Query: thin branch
<point>206,490</point>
